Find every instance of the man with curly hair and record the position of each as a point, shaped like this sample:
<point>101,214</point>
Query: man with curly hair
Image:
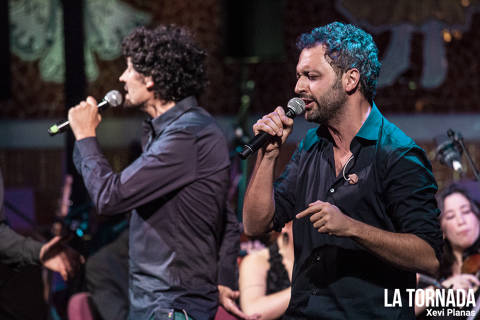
<point>177,188</point>
<point>360,192</point>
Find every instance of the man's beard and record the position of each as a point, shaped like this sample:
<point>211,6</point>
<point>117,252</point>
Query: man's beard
<point>328,105</point>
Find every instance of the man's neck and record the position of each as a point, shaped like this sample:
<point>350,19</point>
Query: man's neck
<point>157,107</point>
<point>346,125</point>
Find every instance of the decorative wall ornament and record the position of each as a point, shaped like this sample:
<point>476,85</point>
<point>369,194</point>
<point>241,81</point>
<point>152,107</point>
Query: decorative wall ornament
<point>432,18</point>
<point>36,33</point>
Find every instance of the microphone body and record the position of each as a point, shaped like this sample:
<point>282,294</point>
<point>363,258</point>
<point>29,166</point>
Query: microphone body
<point>112,99</point>
<point>295,107</point>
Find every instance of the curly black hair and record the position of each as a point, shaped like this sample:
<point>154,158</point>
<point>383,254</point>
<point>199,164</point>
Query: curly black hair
<point>348,47</point>
<point>171,57</point>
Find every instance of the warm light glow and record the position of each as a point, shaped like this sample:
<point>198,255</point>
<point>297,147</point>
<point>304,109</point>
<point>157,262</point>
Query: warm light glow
<point>465,3</point>
<point>447,36</point>
<point>457,34</point>
<point>419,105</point>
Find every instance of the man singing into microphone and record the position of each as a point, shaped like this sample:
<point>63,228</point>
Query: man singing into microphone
<point>360,192</point>
<point>177,188</point>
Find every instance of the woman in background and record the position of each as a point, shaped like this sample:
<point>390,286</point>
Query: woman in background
<point>460,222</point>
<point>265,278</point>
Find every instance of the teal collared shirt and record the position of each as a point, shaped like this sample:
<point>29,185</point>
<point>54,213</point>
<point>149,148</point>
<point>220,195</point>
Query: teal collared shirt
<point>372,126</point>
<point>334,277</point>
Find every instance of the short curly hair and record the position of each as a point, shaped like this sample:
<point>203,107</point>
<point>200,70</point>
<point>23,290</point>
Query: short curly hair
<point>171,57</point>
<point>348,47</point>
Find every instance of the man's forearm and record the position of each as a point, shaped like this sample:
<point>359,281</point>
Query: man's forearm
<point>405,250</point>
<point>17,250</point>
<point>259,205</point>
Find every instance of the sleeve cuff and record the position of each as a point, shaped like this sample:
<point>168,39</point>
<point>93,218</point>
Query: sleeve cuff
<point>88,147</point>
<point>435,242</point>
<point>32,249</point>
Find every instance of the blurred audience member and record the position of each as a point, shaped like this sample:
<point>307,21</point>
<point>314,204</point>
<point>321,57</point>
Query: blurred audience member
<point>107,280</point>
<point>460,222</point>
<point>18,251</point>
<point>265,278</point>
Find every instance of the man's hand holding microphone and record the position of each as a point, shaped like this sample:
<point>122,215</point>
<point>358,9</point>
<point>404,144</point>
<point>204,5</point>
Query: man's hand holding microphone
<point>272,130</point>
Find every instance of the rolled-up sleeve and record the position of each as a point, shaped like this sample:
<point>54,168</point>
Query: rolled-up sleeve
<point>410,197</point>
<point>166,166</point>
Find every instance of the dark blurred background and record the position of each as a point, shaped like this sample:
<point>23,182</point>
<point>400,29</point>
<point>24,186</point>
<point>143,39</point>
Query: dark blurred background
<point>430,80</point>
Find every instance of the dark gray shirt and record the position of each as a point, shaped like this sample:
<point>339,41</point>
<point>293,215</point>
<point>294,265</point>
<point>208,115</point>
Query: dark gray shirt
<point>177,190</point>
<point>335,277</point>
<point>15,250</point>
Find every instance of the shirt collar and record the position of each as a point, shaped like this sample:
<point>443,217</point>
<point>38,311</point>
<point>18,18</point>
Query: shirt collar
<point>372,125</point>
<point>158,124</point>
<point>368,131</point>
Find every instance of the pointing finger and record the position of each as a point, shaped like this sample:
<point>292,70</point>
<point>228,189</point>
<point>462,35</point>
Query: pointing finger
<point>315,203</point>
<point>308,211</point>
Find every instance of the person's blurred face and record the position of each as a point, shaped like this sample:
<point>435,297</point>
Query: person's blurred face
<point>319,86</point>
<point>459,224</point>
<point>136,86</point>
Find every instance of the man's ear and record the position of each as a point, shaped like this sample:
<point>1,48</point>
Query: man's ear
<point>149,82</point>
<point>351,79</point>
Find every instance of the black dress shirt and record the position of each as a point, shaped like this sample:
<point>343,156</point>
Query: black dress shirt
<point>335,277</point>
<point>177,190</point>
<point>15,250</point>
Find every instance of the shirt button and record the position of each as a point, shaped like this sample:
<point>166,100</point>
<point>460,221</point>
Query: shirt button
<point>332,190</point>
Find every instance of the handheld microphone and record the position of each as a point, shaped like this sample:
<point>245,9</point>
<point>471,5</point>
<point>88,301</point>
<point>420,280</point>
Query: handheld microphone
<point>113,98</point>
<point>448,152</point>
<point>295,107</point>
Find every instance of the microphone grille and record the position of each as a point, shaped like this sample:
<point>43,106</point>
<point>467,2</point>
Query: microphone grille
<point>297,105</point>
<point>114,98</point>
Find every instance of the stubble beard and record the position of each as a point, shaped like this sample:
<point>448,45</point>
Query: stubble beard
<point>328,106</point>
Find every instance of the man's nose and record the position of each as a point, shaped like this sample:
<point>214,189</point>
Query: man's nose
<point>122,77</point>
<point>300,86</point>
